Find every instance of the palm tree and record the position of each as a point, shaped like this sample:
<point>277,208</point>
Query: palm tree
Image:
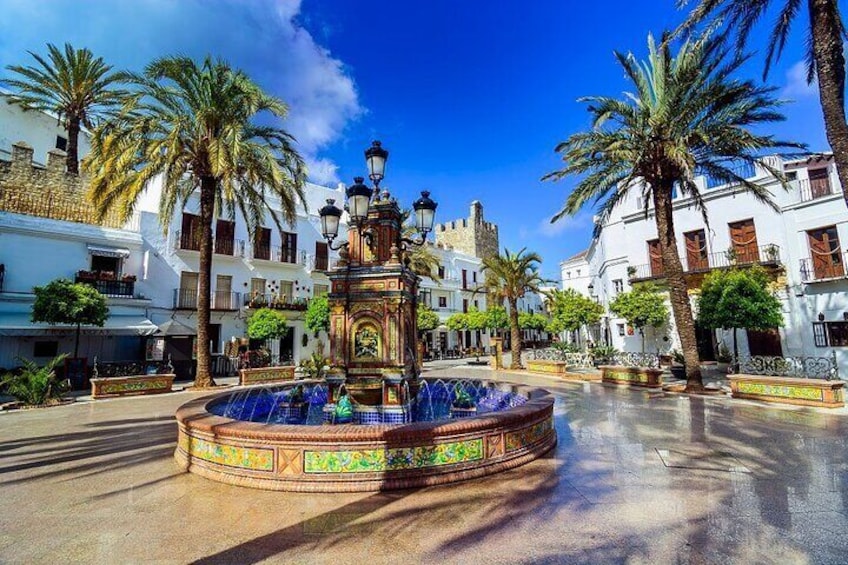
<point>76,86</point>
<point>420,259</point>
<point>825,59</point>
<point>509,277</point>
<point>687,117</point>
<point>193,125</point>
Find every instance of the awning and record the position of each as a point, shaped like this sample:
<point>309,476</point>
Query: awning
<point>173,328</point>
<point>118,252</point>
<point>19,324</point>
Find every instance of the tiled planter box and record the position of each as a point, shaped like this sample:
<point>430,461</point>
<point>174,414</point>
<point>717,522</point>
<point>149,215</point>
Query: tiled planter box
<point>266,375</point>
<point>784,390</point>
<point>634,376</point>
<point>545,366</point>
<point>134,384</point>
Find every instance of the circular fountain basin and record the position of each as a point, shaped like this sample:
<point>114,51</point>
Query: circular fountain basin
<point>354,458</point>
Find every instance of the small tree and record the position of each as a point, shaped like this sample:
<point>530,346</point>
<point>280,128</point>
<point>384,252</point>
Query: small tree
<point>457,322</point>
<point>318,314</point>
<point>571,311</point>
<point>497,319</point>
<point>65,302</point>
<point>642,307</point>
<point>267,324</point>
<point>738,299</point>
<point>427,319</point>
<point>475,320</point>
<point>35,385</point>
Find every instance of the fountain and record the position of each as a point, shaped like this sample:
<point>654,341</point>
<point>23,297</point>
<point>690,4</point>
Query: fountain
<point>372,423</point>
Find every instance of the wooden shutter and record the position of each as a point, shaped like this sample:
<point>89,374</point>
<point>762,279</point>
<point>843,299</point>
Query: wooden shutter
<point>224,236</point>
<point>819,182</point>
<point>655,257</point>
<point>825,251</point>
<point>321,256</point>
<point>743,238</point>
<point>262,244</point>
<point>289,252</point>
<point>696,250</point>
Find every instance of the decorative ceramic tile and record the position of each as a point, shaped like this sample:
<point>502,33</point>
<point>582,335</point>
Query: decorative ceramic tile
<point>269,374</point>
<point>494,446</point>
<point>529,435</point>
<point>393,459</point>
<point>290,462</point>
<point>797,392</point>
<point>255,459</point>
<point>626,376</point>
<point>134,386</point>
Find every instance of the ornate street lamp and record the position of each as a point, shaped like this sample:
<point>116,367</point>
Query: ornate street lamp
<point>376,157</point>
<point>358,200</point>
<point>330,216</point>
<point>425,214</point>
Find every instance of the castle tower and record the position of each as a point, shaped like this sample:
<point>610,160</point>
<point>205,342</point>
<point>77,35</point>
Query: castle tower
<point>472,236</point>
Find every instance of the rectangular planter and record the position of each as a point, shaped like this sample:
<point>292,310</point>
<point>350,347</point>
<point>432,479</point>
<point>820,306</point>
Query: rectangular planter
<point>634,376</point>
<point>545,366</point>
<point>266,375</point>
<point>130,385</point>
<point>786,390</point>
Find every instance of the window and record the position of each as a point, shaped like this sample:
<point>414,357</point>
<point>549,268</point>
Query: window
<point>288,251</point>
<point>190,233</point>
<point>262,244</point>
<point>465,305</point>
<point>791,175</point>
<point>578,272</point>
<point>441,272</point>
<point>825,251</point>
<point>322,256</point>
<point>743,239</point>
<point>45,348</point>
<point>464,278</point>
<point>61,143</point>
<point>109,266</point>
<point>286,292</point>
<point>655,258</point>
<point>618,286</point>
<point>187,293</point>
<point>474,276</point>
<point>620,328</point>
<point>568,274</point>
<point>477,304</point>
<point>225,232</point>
<point>443,302</point>
<point>321,289</point>
<point>833,334</point>
<point>696,250</point>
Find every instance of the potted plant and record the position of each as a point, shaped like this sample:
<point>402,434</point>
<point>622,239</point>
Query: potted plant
<point>731,255</point>
<point>603,355</point>
<point>772,253</point>
<point>723,358</point>
<point>678,364</point>
<point>631,271</point>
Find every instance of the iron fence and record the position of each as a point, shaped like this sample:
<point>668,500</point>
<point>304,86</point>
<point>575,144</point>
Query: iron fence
<point>799,367</point>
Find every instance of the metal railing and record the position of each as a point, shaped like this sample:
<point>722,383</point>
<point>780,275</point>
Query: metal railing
<point>109,287</point>
<point>799,367</point>
<point>813,189</point>
<point>186,299</point>
<point>229,246</point>
<point>824,267</point>
<point>131,368</point>
<point>625,359</point>
<point>275,301</point>
<point>764,255</point>
<point>572,359</point>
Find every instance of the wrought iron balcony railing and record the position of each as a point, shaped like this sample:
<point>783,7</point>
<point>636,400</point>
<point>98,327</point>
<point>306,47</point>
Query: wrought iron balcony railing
<point>762,255</point>
<point>275,301</point>
<point>813,189</point>
<point>824,267</point>
<point>112,287</point>
<point>229,246</point>
<point>186,299</point>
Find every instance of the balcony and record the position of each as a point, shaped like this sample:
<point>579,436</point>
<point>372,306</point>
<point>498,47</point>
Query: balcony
<point>186,299</point>
<point>187,241</point>
<point>229,247</point>
<point>765,255</point>
<point>290,255</point>
<point>276,302</point>
<point>813,189</point>
<point>108,284</point>
<point>824,267</point>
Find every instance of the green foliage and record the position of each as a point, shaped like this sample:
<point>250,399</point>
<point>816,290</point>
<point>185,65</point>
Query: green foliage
<point>604,351</point>
<point>266,323</point>
<point>532,321</point>
<point>461,397</point>
<point>565,347</point>
<point>511,275</point>
<point>723,355</point>
<point>677,357</point>
<point>427,319</point>
<point>64,302</point>
<point>35,385</point>
<point>475,319</point>
<point>318,314</point>
<point>570,311</point>
<point>457,322</point>
<point>315,365</point>
<point>642,307</point>
<point>738,298</point>
<point>496,318</point>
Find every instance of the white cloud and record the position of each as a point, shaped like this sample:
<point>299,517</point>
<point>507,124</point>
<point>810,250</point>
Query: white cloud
<point>580,222</point>
<point>262,37</point>
<point>796,83</point>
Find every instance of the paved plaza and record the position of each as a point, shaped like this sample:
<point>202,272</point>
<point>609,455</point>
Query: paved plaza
<point>637,477</point>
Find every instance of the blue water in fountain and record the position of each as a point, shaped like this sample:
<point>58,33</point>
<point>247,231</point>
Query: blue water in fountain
<point>434,402</point>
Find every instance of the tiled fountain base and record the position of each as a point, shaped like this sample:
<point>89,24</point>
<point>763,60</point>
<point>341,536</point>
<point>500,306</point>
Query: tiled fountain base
<point>352,458</point>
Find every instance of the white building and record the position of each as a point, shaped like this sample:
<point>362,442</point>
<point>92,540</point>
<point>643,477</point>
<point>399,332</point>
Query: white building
<point>41,131</point>
<point>799,243</point>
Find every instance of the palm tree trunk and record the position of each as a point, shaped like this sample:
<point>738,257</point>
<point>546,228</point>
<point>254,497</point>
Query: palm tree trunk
<point>678,294</point>
<point>514,335</point>
<point>203,377</point>
<point>72,160</point>
<point>830,71</point>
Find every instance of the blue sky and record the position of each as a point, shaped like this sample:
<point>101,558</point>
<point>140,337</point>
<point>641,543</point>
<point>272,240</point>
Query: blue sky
<point>469,97</point>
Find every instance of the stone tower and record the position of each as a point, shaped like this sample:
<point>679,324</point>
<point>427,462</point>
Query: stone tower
<point>472,236</point>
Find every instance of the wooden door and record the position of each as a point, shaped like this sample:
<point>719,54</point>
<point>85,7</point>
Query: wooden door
<point>696,250</point>
<point>225,232</point>
<point>289,249</point>
<point>322,256</point>
<point>819,182</point>
<point>825,252</point>
<point>655,257</point>
<point>765,343</point>
<point>743,238</point>
<point>262,244</point>
<point>190,234</point>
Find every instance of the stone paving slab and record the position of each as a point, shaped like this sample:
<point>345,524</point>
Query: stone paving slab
<point>96,483</point>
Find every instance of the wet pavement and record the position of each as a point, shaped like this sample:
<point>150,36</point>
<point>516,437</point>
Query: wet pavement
<point>637,477</point>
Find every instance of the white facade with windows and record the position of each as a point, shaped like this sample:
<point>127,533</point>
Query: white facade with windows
<point>801,242</point>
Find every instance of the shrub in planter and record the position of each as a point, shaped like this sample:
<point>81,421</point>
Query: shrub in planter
<point>603,355</point>
<point>678,364</point>
<point>36,385</point>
